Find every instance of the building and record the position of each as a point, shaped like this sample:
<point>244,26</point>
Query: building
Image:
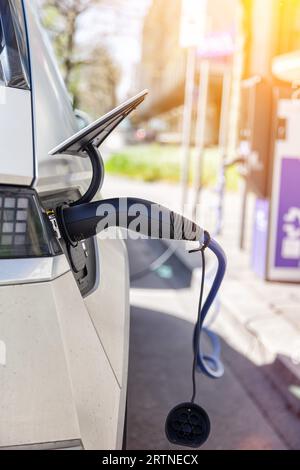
<point>163,65</point>
<point>162,68</point>
<point>273,50</point>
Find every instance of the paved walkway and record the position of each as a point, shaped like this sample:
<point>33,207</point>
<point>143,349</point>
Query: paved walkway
<point>162,320</point>
<point>267,313</point>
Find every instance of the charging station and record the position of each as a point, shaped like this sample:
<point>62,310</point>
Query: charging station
<point>283,255</point>
<point>269,145</point>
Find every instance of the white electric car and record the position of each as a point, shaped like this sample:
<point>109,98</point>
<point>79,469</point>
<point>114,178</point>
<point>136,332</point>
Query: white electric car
<point>64,317</point>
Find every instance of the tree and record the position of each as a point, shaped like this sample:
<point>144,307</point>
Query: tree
<point>99,79</point>
<point>79,68</point>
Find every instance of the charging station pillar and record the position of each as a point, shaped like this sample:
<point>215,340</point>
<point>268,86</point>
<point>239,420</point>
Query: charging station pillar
<point>276,228</point>
<point>270,148</point>
<point>283,255</point>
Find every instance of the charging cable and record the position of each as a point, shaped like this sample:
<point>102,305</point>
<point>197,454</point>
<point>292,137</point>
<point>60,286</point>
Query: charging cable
<point>187,424</point>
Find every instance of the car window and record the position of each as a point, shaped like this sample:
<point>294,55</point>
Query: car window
<point>1,49</point>
<point>14,61</point>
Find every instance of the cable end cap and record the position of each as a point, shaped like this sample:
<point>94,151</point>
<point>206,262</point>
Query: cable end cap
<point>188,425</point>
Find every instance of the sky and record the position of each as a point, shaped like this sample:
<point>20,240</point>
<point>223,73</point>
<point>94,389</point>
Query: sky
<point>118,25</point>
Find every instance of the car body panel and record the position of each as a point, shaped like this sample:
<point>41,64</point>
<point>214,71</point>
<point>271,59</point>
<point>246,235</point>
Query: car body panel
<point>36,393</point>
<point>56,383</point>
<point>107,308</point>
<point>29,270</point>
<point>16,157</point>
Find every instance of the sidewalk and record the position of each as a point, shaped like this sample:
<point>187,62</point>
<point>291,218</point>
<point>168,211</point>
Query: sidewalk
<point>261,319</point>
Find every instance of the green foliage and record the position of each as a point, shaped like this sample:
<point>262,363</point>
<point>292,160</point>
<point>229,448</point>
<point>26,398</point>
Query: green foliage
<point>146,162</point>
<point>155,162</point>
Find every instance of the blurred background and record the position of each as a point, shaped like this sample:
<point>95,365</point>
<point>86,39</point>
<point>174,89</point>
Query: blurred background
<point>218,138</point>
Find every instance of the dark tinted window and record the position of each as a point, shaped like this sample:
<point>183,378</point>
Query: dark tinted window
<point>14,63</point>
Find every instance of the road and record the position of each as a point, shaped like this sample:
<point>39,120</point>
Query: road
<point>245,410</point>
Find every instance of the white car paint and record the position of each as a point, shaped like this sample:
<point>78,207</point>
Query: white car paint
<point>64,380</point>
<point>16,156</point>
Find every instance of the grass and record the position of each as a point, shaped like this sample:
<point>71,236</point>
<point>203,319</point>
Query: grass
<point>154,162</point>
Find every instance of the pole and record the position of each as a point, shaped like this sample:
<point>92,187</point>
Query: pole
<point>187,123</point>
<point>223,135</point>
<point>200,130</point>
<point>242,241</point>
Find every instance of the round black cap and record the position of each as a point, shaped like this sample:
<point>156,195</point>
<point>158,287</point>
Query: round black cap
<point>188,425</point>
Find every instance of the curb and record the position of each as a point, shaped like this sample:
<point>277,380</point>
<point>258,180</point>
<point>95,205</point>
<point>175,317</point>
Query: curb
<point>281,371</point>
